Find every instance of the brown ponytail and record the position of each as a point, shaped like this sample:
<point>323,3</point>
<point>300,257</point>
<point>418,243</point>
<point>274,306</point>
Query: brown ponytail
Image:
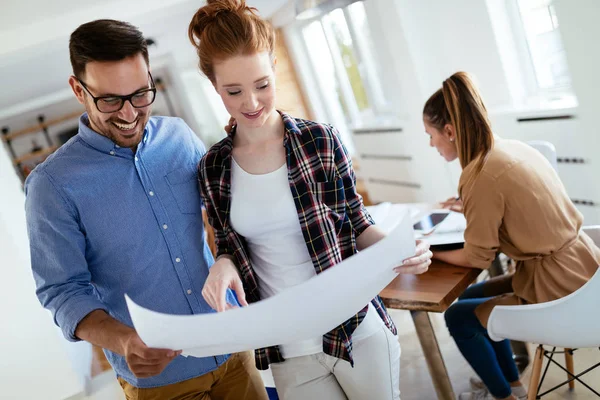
<point>459,103</point>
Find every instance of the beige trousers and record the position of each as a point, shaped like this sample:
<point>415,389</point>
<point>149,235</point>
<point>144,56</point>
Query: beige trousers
<point>376,373</point>
<point>236,379</point>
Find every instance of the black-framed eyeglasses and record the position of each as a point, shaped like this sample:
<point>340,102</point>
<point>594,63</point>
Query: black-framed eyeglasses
<point>109,104</point>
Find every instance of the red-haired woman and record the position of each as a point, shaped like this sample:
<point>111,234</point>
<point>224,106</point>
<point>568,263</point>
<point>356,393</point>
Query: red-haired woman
<point>280,194</point>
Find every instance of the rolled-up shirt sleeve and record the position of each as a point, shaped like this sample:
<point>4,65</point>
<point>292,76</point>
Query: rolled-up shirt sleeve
<point>483,206</point>
<point>57,245</point>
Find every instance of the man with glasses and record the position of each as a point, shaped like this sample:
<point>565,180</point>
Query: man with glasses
<point>117,210</point>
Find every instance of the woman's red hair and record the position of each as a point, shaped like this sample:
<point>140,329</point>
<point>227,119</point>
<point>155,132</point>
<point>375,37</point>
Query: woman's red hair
<point>227,28</point>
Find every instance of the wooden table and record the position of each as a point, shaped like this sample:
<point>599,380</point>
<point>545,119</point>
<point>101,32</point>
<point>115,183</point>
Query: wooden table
<point>432,291</point>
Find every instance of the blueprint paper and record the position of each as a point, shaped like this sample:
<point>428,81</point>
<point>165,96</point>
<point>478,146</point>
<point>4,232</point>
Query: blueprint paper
<point>304,311</point>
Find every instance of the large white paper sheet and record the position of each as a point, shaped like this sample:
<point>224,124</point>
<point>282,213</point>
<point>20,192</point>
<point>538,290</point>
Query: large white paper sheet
<point>304,311</point>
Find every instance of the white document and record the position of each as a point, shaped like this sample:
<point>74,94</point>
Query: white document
<point>454,222</point>
<point>437,239</point>
<point>450,231</point>
<point>310,309</point>
<point>387,215</point>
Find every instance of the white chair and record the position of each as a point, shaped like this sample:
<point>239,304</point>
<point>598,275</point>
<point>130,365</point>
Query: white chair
<point>547,149</point>
<point>570,322</point>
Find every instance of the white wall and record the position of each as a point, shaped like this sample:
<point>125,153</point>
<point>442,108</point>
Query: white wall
<point>448,36</point>
<point>34,363</point>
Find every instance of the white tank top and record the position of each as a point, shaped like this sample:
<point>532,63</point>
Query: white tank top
<point>264,213</point>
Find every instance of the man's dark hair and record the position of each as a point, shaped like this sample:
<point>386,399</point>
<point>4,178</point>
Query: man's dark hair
<point>105,40</point>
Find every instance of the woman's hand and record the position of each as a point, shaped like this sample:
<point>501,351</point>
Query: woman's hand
<point>419,263</point>
<point>223,275</point>
<point>453,204</point>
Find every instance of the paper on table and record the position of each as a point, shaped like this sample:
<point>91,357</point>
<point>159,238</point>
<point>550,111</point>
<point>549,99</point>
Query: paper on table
<point>304,311</point>
<point>436,239</point>
<point>387,215</point>
<point>450,231</point>
<point>454,222</point>
<point>379,211</point>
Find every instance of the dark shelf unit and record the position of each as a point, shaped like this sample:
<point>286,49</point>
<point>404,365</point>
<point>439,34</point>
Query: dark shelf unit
<point>36,155</point>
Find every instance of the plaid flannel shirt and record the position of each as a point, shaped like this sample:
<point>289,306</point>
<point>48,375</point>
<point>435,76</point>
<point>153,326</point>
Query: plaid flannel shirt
<point>330,211</point>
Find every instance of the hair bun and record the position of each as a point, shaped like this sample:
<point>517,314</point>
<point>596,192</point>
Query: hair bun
<point>227,28</point>
<point>210,13</point>
<point>217,6</point>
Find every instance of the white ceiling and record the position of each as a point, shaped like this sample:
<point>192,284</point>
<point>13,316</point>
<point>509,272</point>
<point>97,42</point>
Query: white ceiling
<point>34,59</point>
<point>16,13</point>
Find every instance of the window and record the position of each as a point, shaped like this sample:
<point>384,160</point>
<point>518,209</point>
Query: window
<point>339,47</point>
<point>546,52</point>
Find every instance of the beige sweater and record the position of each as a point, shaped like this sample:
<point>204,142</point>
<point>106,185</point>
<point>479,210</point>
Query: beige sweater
<point>517,205</point>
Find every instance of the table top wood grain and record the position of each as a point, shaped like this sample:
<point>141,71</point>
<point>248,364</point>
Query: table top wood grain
<point>432,291</point>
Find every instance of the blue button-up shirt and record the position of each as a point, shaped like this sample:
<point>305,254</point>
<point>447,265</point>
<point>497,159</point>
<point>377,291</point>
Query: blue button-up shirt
<point>104,221</point>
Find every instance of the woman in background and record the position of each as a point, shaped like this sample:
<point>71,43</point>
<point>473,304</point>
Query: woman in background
<point>515,203</point>
<point>280,194</point>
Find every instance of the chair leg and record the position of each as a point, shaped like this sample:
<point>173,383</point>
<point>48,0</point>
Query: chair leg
<point>536,371</point>
<point>569,365</point>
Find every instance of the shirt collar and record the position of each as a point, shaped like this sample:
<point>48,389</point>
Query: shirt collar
<point>100,142</point>
<point>291,128</point>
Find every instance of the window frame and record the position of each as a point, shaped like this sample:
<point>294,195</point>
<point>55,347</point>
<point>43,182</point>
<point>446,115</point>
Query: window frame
<point>527,66</point>
<point>366,66</point>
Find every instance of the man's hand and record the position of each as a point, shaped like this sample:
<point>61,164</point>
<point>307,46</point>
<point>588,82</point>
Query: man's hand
<point>223,275</point>
<point>104,331</point>
<point>144,361</point>
<point>419,263</point>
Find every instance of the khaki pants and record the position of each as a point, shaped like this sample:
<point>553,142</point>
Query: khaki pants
<point>236,379</point>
